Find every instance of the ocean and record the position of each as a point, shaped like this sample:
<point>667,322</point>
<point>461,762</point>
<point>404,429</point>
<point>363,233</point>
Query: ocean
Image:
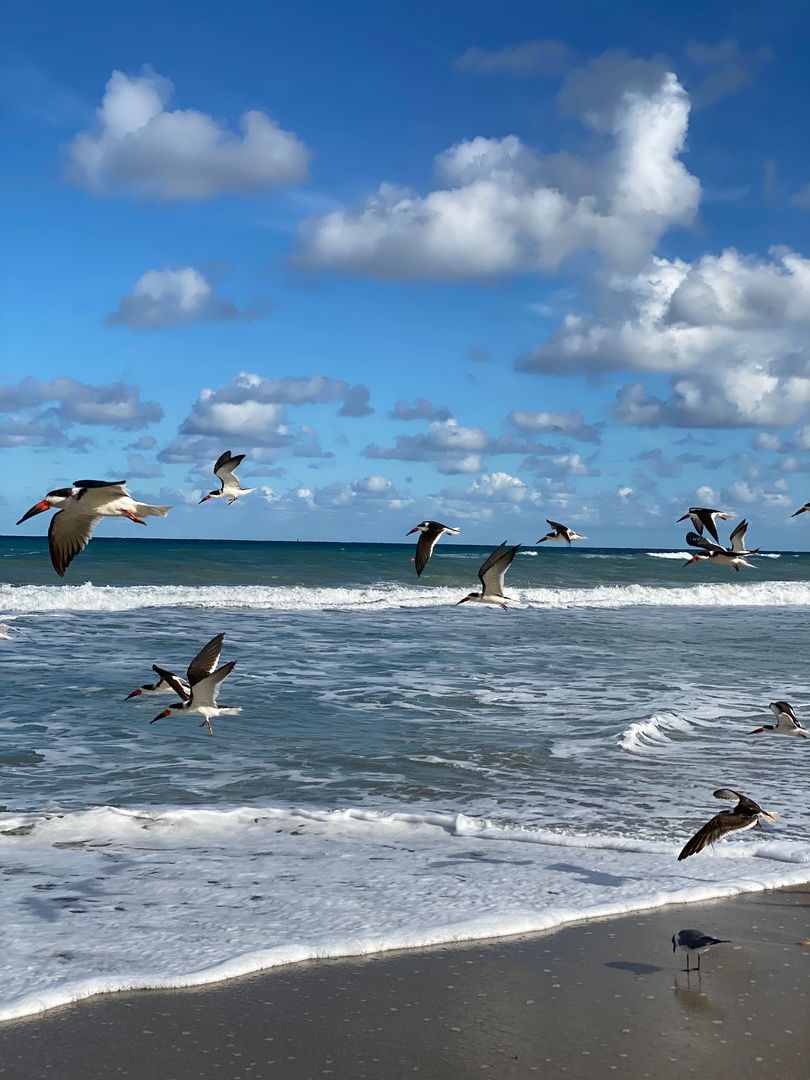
<point>404,771</point>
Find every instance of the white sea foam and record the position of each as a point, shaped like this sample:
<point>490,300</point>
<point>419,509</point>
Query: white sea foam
<point>689,554</point>
<point>653,735</point>
<point>88,597</point>
<point>109,899</point>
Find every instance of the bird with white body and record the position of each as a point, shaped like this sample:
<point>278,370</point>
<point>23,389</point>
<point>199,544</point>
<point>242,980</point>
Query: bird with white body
<point>162,686</point>
<point>491,575</point>
<point>204,682</point>
<point>704,518</point>
<point>224,470</point>
<point>745,815</point>
<point>561,534</point>
<point>787,723</point>
<point>731,556</point>
<point>431,531</point>
<point>80,509</point>
<point>695,942</point>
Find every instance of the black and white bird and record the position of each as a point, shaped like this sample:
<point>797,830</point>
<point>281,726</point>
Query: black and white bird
<point>695,941</point>
<point>561,534</point>
<point>80,509</point>
<point>732,556</point>
<point>491,576</point>
<point>787,722</point>
<point>224,471</point>
<point>204,682</point>
<point>163,686</point>
<point>431,531</point>
<point>745,815</point>
<point>704,518</point>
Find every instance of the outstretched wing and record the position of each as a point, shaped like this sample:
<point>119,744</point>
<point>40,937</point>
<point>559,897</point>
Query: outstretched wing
<point>205,661</point>
<point>721,824</point>
<point>68,534</point>
<point>226,465</point>
<point>738,537</point>
<point>492,572</point>
<point>176,684</point>
<point>206,691</point>
<point>742,801</point>
<point>705,520</point>
<point>556,525</point>
<point>693,540</point>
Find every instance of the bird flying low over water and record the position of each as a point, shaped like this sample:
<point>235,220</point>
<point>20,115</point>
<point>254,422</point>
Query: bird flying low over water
<point>80,508</point>
<point>204,682</point>
<point>745,815</point>
<point>561,534</point>
<point>163,686</point>
<point>695,941</point>
<point>431,531</point>
<point>491,576</point>
<point>802,510</point>
<point>787,722</point>
<point>224,471</point>
<point>704,518</point>
<point>734,556</point>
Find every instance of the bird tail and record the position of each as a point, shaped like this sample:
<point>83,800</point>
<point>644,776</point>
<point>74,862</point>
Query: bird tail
<point>145,510</point>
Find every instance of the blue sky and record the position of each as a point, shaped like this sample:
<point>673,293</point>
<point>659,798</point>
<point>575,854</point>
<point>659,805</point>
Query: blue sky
<point>483,263</point>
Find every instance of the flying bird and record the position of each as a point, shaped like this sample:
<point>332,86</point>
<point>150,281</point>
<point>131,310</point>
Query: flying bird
<point>80,509</point>
<point>163,686</point>
<point>787,722</point>
<point>732,556</point>
<point>695,941</point>
<point>561,534</point>
<point>491,576</point>
<point>204,682</point>
<point>704,518</point>
<point>224,471</point>
<point>431,531</point>
<point>745,815</point>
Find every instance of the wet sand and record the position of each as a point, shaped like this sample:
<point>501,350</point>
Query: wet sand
<point>592,1000</point>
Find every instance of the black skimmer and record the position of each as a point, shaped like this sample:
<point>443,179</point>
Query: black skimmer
<point>204,682</point>
<point>163,686</point>
<point>491,577</point>
<point>431,531</point>
<point>695,941</point>
<point>745,815</point>
<point>802,510</point>
<point>787,722</point>
<point>80,508</point>
<point>224,471</point>
<point>704,518</point>
<point>561,534</point>
<point>733,556</point>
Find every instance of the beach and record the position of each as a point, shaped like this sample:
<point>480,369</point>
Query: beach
<point>586,1001</point>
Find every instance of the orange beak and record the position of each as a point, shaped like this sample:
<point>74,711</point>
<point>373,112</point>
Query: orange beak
<point>166,712</point>
<point>35,510</point>
<point>133,694</point>
<point>205,498</point>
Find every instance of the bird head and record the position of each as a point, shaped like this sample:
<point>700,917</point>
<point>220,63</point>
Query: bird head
<point>205,498</point>
<point>805,507</point>
<point>423,526</point>
<point>51,501</point>
<point>469,596</point>
<point>134,693</point>
<point>166,712</point>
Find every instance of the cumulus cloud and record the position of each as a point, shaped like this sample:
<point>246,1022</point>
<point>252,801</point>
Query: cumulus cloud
<point>728,69</point>
<point>138,468</point>
<point>499,207</point>
<point>453,447</point>
<point>732,331</point>
<point>141,148</point>
<point>422,409</point>
<point>569,423</point>
<point>41,413</point>
<point>548,58</point>
<point>355,402</point>
<point>179,297</point>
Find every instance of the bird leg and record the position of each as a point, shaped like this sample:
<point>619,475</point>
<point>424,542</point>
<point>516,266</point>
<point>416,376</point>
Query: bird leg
<point>233,500</point>
<point>207,721</point>
<point>505,608</point>
<point>134,517</point>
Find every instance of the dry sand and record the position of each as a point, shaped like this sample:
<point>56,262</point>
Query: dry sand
<point>598,999</point>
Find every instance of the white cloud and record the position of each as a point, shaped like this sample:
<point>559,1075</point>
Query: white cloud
<point>142,149</point>
<point>452,446</point>
<point>569,423</point>
<point>501,208</point>
<point>733,331</point>
<point>547,58</point>
<point>422,409</point>
<point>178,297</point>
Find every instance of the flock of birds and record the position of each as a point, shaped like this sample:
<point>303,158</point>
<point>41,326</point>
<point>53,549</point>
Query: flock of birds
<point>81,507</point>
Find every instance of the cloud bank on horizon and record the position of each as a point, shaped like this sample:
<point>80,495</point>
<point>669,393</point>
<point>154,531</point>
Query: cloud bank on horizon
<point>598,343</point>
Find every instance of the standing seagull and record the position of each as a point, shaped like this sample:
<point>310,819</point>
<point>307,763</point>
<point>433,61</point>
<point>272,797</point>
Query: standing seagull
<point>694,941</point>
<point>734,556</point>
<point>787,722</point>
<point>491,576</point>
<point>163,686</point>
<point>204,682</point>
<point>224,471</point>
<point>745,815</point>
<point>80,509</point>
<point>561,534</point>
<point>703,518</point>
<point>431,531</point>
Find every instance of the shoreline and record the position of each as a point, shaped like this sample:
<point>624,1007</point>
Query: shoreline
<point>586,999</point>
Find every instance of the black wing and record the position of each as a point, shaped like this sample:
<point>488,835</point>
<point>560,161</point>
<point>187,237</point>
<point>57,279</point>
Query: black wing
<point>693,540</point>
<point>743,802</point>
<point>170,678</point>
<point>205,661</point>
<point>725,822</point>
<point>425,545</point>
<point>556,525</point>
<point>706,518</point>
